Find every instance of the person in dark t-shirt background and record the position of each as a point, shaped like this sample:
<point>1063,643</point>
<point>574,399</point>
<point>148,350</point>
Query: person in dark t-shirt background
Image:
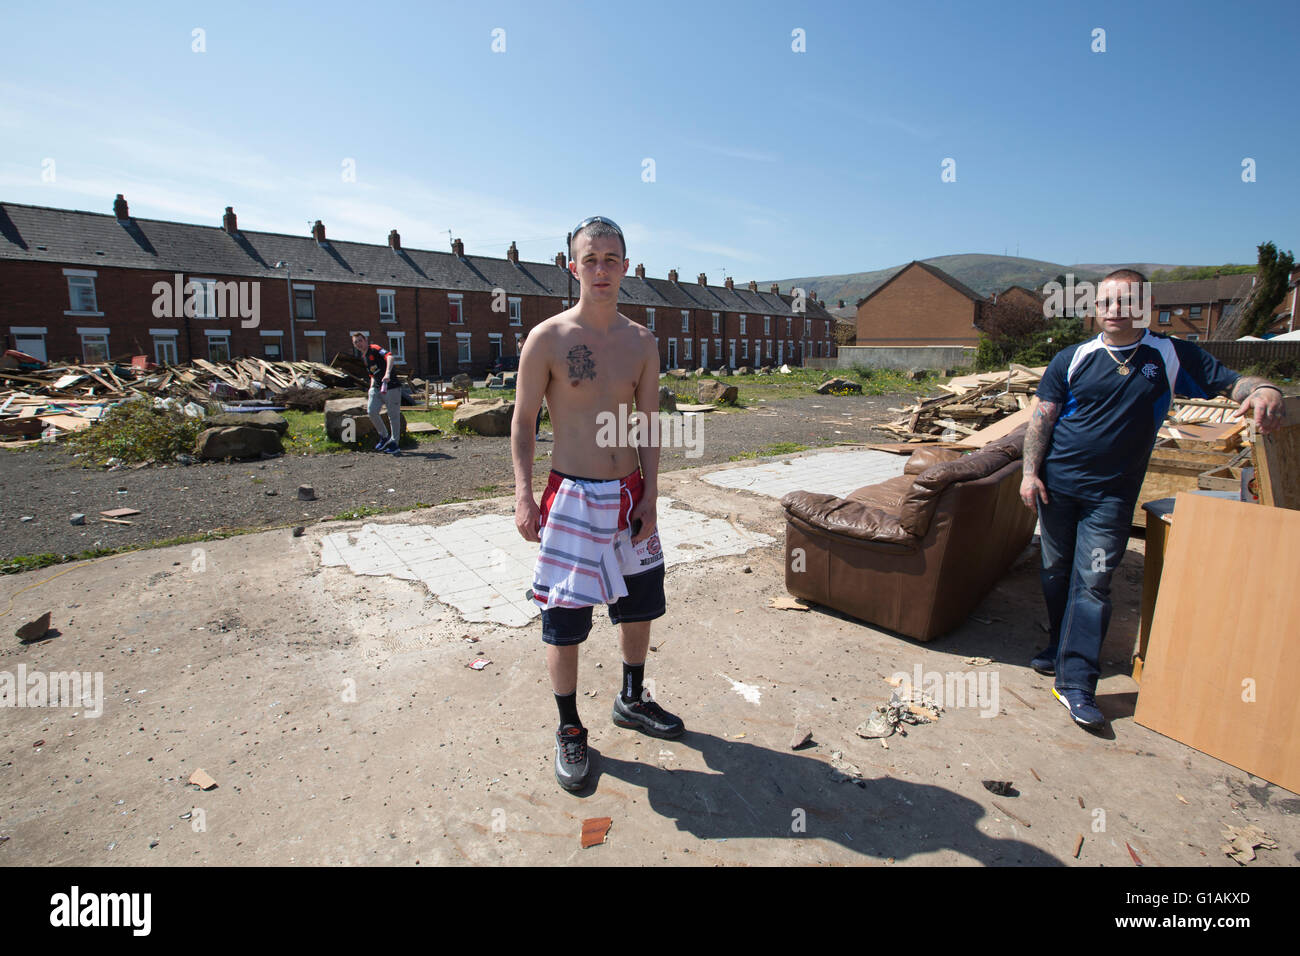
<point>1098,411</point>
<point>385,388</point>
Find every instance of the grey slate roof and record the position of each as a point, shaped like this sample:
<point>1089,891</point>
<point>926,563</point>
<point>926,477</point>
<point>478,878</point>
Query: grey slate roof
<point>1201,291</point>
<point>73,237</point>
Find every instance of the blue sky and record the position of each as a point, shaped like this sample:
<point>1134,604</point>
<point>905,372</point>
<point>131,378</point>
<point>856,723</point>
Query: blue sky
<point>768,163</point>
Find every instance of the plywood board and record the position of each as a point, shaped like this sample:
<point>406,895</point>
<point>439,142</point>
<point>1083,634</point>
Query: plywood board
<point>1222,663</point>
<point>1277,461</point>
<point>999,429</point>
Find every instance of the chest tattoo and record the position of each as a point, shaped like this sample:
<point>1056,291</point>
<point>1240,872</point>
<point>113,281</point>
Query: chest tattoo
<point>581,365</point>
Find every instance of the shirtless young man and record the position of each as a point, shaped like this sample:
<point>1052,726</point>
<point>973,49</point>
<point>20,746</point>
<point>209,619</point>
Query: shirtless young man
<point>596,523</point>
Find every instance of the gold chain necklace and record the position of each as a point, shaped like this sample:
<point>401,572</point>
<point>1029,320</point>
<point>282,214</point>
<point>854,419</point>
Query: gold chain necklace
<point>1122,368</point>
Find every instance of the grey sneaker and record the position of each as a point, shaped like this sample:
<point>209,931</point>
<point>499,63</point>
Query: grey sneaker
<point>572,763</point>
<point>647,717</point>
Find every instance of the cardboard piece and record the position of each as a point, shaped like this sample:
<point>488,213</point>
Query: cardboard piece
<point>201,780</point>
<point>1222,663</point>
<point>119,512</point>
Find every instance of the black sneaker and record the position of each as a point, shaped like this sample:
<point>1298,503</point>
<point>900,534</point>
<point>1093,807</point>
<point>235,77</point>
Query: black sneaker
<point>647,717</point>
<point>571,761</point>
<point>1044,664</point>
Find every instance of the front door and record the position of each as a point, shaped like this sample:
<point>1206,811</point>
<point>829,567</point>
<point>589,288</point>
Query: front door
<point>732,352</point>
<point>316,348</point>
<point>672,353</point>
<point>434,349</point>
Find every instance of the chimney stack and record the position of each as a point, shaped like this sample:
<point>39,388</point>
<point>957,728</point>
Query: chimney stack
<point>318,231</point>
<point>703,279</point>
<point>559,259</point>
<point>458,249</point>
<point>776,289</point>
<point>730,284</point>
<point>753,286</point>
<point>394,240</point>
<point>841,305</point>
<point>513,253</point>
<point>672,275</point>
<point>229,223</point>
<point>120,209</point>
<point>813,295</point>
<point>640,270</point>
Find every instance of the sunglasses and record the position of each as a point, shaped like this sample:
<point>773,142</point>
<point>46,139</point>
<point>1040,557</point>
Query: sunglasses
<point>590,219</point>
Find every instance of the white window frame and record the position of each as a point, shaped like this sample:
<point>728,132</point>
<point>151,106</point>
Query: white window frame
<point>455,308</point>
<point>205,296</point>
<point>82,279</point>
<point>743,316</point>
<point>169,337</point>
<point>788,320</point>
<point>30,332</point>
<point>463,341</point>
<point>717,323</point>
<point>495,337</point>
<point>390,297</point>
<point>767,325</point>
<point>87,334</point>
<point>516,308</point>
<point>219,334</point>
<point>686,348</point>
<point>650,319</point>
<point>744,349</point>
<point>311,298</point>
<point>686,320</point>
<point>769,348</point>
<point>717,350</point>
<point>519,342</point>
<point>397,345</point>
<point>807,328</point>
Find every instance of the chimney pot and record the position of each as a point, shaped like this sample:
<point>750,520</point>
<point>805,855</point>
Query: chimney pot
<point>640,270</point>
<point>120,208</point>
<point>703,279</point>
<point>318,231</point>
<point>672,275</point>
<point>753,286</point>
<point>394,240</point>
<point>228,222</point>
<point>513,253</point>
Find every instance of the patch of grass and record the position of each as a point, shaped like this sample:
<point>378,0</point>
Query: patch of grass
<point>364,511</point>
<point>135,431</point>
<point>31,562</point>
<point>306,434</point>
<point>778,448</point>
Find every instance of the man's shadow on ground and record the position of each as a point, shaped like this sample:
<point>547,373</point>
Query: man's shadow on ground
<point>758,792</point>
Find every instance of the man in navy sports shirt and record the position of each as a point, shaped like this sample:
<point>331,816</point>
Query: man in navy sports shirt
<point>1100,405</point>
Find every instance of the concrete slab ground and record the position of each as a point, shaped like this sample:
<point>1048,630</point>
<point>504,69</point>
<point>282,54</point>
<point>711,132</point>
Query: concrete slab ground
<point>337,714</point>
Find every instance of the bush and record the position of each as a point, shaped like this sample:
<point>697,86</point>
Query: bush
<point>136,431</point>
<point>1037,348</point>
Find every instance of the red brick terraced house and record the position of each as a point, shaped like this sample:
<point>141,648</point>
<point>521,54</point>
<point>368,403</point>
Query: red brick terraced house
<point>920,304</point>
<point>88,287</point>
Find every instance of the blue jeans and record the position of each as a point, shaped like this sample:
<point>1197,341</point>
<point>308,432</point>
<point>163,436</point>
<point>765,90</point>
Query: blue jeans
<point>1083,542</point>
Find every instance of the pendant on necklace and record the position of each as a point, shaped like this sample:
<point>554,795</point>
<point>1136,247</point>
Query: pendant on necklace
<point>1122,369</point>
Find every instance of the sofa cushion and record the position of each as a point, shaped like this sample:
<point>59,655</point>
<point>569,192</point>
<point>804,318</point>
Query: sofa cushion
<point>918,506</point>
<point>845,516</point>
<point>923,458</point>
<point>886,495</point>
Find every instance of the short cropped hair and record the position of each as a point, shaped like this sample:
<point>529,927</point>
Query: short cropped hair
<point>596,230</point>
<point>1124,274</point>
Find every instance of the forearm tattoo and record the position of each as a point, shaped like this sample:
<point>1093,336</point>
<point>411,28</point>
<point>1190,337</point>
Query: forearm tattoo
<point>1245,385</point>
<point>581,365</point>
<point>1039,435</point>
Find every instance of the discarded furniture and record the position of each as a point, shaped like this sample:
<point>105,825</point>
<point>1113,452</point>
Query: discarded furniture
<point>1222,663</point>
<point>1277,461</point>
<point>915,553</point>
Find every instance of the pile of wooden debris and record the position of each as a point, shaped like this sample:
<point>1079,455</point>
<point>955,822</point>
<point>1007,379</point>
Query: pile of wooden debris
<point>973,403</point>
<point>52,401</point>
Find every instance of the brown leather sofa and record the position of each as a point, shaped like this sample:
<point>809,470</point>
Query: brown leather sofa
<point>914,554</point>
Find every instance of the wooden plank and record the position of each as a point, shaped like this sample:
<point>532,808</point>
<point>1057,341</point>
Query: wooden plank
<point>999,429</point>
<point>1277,461</point>
<point>1222,663</point>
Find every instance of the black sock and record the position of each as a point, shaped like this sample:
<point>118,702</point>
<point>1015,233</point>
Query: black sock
<point>632,676</point>
<point>568,705</point>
